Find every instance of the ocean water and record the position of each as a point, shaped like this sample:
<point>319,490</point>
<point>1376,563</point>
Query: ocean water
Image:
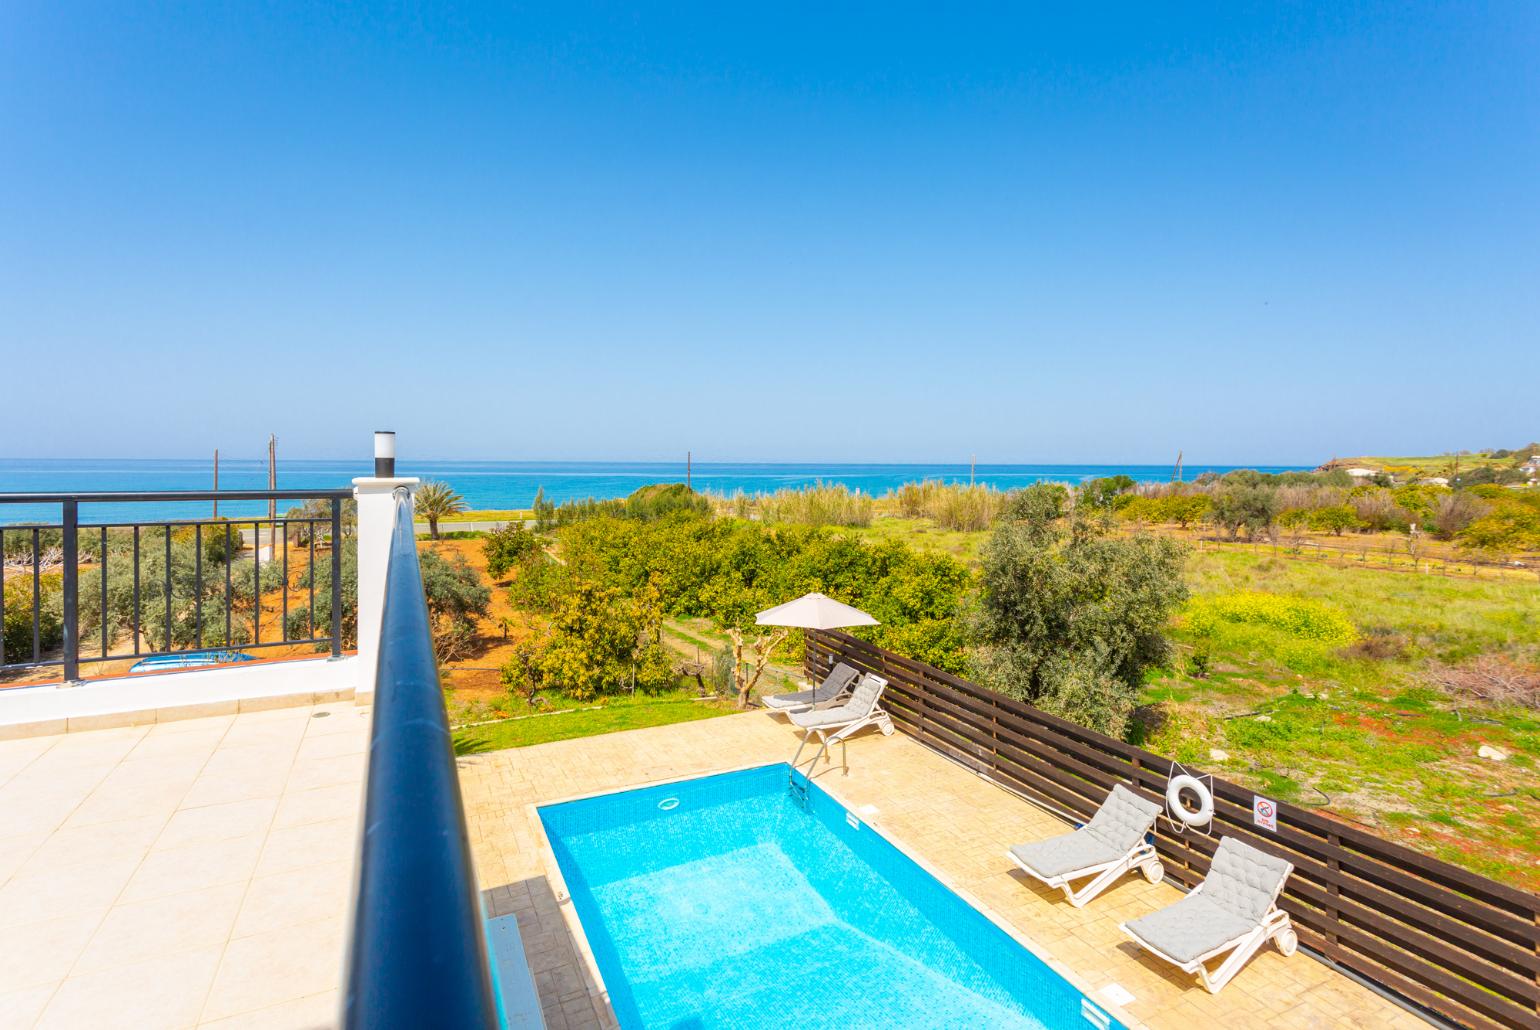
<point>724,902</point>
<point>500,484</point>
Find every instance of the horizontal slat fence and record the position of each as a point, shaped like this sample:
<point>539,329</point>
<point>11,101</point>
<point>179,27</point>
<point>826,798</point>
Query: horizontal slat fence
<point>1456,943</point>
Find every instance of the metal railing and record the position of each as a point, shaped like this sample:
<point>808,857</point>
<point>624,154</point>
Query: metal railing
<point>141,589</point>
<point>417,955</point>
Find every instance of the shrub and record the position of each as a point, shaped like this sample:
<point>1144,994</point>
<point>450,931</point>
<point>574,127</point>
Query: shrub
<point>456,598</point>
<point>1186,509</point>
<point>1336,519</point>
<point>507,547</point>
<point>16,620</point>
<point>1453,512</point>
<point>658,500</point>
<point>1377,509</point>
<point>1103,492</point>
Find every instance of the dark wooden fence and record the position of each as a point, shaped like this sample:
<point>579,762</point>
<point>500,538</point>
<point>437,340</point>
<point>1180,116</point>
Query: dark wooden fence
<point>1458,944</point>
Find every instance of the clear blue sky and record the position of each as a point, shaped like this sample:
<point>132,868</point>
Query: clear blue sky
<point>1257,233</point>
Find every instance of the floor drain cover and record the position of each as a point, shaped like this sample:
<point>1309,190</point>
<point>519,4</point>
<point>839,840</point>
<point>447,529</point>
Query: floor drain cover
<point>319,715</point>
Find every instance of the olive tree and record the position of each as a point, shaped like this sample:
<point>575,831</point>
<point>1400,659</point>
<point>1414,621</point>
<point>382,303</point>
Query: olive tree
<point>1069,617</point>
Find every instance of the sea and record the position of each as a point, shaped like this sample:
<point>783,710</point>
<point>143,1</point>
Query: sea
<point>495,485</point>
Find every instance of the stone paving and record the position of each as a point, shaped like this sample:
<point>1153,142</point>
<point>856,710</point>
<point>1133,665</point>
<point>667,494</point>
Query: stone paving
<point>184,874</point>
<point>952,821</point>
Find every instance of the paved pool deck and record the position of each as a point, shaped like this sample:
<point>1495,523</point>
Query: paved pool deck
<point>950,820</point>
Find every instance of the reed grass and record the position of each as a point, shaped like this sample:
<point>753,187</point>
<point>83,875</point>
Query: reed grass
<point>950,505</point>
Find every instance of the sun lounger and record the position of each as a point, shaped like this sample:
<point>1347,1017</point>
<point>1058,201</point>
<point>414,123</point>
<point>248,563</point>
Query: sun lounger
<point>834,687</point>
<point>832,725</point>
<point>1111,844</point>
<point>1234,910</point>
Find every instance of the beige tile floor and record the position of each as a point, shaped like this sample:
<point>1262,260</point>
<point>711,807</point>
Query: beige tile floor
<point>184,874</point>
<point>954,822</point>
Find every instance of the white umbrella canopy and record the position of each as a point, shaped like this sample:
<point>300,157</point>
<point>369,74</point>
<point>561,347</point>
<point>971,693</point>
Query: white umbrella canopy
<point>814,611</point>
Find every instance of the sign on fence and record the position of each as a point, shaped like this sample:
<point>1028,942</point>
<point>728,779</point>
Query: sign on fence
<point>1264,813</point>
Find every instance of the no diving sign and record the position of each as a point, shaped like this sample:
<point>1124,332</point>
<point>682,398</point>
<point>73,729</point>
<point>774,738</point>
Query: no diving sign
<point>1264,813</point>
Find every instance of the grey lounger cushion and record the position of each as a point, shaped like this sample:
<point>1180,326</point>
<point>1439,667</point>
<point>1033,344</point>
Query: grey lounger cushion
<point>835,684</point>
<point>862,700</point>
<point>1118,827</point>
<point>1237,894</point>
<point>1065,853</point>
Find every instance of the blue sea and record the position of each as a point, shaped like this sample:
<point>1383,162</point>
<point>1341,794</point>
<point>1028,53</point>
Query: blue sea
<point>499,484</point>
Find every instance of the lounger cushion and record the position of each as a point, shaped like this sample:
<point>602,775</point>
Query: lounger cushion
<point>1193,927</point>
<point>862,700</point>
<point>835,684</point>
<point>1123,820</point>
<point>1244,881</point>
<point>1067,853</point>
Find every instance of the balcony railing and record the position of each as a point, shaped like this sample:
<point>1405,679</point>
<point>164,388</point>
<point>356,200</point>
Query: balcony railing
<point>417,955</point>
<point>130,589</point>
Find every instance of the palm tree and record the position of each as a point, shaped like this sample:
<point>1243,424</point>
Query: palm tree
<point>434,500</point>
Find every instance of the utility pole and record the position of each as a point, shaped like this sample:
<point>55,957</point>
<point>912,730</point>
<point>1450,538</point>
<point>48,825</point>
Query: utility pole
<point>973,460</point>
<point>216,481</point>
<point>1178,477</point>
<point>688,470</point>
<point>272,475</point>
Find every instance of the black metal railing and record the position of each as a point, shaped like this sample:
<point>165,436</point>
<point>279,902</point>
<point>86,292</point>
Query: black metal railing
<point>417,956</point>
<point>74,594</point>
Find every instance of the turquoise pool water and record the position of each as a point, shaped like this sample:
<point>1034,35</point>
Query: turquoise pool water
<point>723,902</point>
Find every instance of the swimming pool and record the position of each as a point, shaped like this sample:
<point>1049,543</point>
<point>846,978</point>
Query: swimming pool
<point>724,902</point>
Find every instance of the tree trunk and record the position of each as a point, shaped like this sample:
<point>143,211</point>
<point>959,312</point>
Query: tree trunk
<point>433,526</point>
<point>762,647</point>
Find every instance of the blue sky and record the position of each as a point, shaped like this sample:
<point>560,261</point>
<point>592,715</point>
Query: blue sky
<point>1257,233</point>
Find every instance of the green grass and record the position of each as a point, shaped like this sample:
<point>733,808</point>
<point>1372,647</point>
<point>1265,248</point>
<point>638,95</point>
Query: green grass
<point>621,712</point>
<point>499,515</point>
<point>1364,734</point>
<point>1370,737</point>
<point>925,535</point>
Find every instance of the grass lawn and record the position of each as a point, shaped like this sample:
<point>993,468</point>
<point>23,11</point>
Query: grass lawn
<point>1366,734</point>
<point>622,712</point>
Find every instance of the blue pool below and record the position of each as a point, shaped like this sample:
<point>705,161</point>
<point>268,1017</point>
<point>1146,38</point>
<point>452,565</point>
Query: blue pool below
<point>724,902</point>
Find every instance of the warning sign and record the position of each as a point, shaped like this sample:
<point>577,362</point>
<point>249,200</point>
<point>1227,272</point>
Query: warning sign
<point>1264,813</point>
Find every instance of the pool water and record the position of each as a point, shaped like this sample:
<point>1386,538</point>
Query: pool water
<point>725,902</point>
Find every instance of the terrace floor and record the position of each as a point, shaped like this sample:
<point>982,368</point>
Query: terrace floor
<point>181,874</point>
<point>950,820</point>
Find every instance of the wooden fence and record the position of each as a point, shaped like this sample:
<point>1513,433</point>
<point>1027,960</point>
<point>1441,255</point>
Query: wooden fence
<point>1458,944</point>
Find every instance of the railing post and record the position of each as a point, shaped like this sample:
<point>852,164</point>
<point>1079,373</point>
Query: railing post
<point>336,577</point>
<point>71,533</point>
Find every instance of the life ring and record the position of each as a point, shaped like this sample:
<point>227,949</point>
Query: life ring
<point>1179,811</point>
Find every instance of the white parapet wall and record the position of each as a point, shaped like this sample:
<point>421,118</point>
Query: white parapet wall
<point>176,694</point>
<point>376,523</point>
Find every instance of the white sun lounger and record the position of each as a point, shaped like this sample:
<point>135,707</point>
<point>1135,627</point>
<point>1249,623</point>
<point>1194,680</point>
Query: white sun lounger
<point>834,687</point>
<point>1105,848</point>
<point>833,725</point>
<point>1234,910</point>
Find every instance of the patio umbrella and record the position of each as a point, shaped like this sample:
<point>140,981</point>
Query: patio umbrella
<point>814,611</point>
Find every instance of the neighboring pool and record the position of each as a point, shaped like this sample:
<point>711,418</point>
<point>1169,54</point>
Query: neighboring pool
<point>722,902</point>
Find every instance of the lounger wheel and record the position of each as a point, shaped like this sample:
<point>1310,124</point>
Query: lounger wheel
<point>1287,940</point>
<point>1153,871</point>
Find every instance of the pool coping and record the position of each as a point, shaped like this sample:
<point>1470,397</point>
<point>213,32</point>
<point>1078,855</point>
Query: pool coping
<point>599,993</point>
